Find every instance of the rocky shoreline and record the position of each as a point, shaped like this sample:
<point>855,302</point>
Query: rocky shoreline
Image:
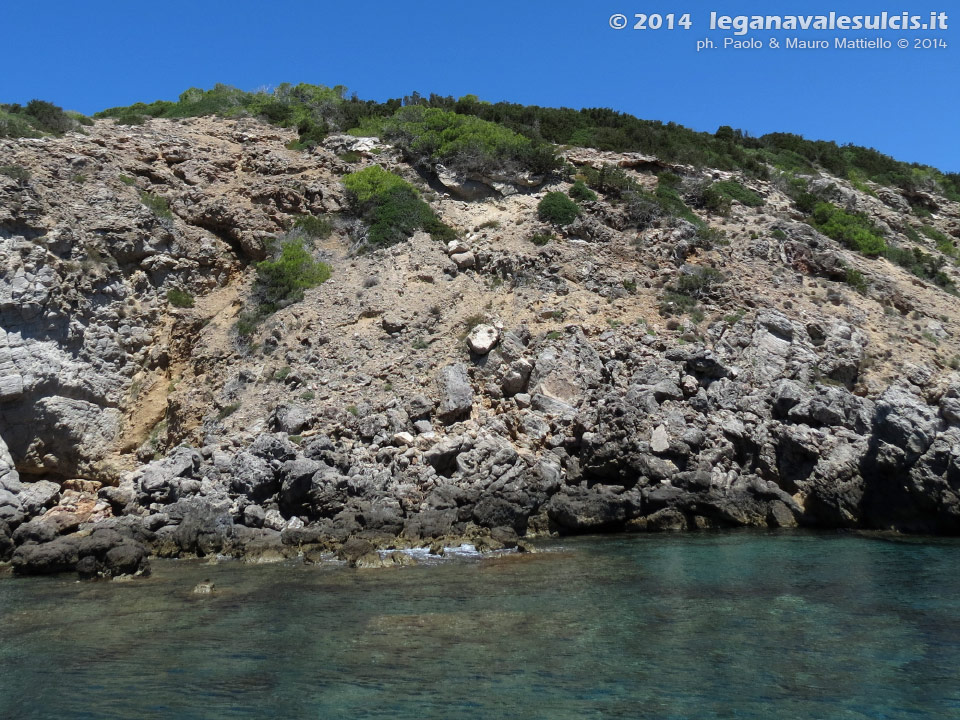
<point>485,391</point>
<point>680,439</point>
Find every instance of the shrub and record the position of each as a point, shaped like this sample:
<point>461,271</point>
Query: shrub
<point>179,298</point>
<point>581,193</point>
<point>854,231</point>
<point>682,297</point>
<point>700,282</point>
<point>923,265</point>
<point>672,204</point>
<point>541,238</point>
<point>557,208</point>
<point>311,109</point>
<point>228,410</point>
<point>315,227</point>
<point>609,179</point>
<point>366,186</point>
<point>641,208</point>
<point>17,172</point>
<point>49,117</point>
<point>463,142</point>
<point>674,303</point>
<point>129,118</point>
<point>398,213</point>
<point>392,207</point>
<point>157,204</point>
<point>735,191</point>
<point>15,125</point>
<point>37,118</point>
<point>247,322</point>
<point>79,118</point>
<point>943,242</point>
<point>283,280</point>
<point>714,201</point>
<point>856,280</point>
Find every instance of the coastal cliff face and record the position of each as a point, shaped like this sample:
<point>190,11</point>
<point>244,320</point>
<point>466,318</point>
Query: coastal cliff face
<point>606,377</point>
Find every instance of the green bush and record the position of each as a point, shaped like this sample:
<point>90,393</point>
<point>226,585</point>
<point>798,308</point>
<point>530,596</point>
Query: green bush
<point>283,279</point>
<point>312,226</point>
<point>854,231</point>
<point>157,204</point>
<point>541,238</point>
<point>674,303</point>
<point>673,205</point>
<point>923,265</point>
<point>16,126</point>
<point>610,180</point>
<point>700,282</point>
<point>641,208</point>
<point>943,242</point>
<point>557,208</point>
<point>581,193</point>
<point>129,118</point>
<point>855,279</point>
<point>714,201</point>
<point>735,191</point>
<point>17,172</point>
<point>228,410</point>
<point>79,118</point>
<point>461,142</point>
<point>311,109</point>
<point>179,298</point>
<point>37,118</point>
<point>365,187</point>
<point>392,207</point>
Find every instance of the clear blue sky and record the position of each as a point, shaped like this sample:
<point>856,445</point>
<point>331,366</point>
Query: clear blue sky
<point>87,55</point>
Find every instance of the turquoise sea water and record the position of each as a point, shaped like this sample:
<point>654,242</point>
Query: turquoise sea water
<point>740,625</point>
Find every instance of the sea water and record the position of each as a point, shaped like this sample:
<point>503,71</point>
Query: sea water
<point>731,625</point>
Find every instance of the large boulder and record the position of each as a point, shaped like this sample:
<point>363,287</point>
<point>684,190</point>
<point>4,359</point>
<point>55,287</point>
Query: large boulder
<point>60,555</point>
<point>456,393</point>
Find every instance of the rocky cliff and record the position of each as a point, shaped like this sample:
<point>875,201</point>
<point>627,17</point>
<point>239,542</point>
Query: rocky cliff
<point>489,389</point>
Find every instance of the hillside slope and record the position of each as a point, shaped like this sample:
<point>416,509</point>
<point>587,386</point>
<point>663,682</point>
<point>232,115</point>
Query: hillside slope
<point>690,352</point>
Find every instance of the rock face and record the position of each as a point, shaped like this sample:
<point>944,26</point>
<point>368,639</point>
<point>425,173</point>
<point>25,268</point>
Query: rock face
<point>132,427</point>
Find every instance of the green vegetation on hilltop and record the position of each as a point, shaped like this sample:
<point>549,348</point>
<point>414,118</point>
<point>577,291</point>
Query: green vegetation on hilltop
<point>475,135</point>
<point>464,142</point>
<point>392,207</point>
<point>314,110</point>
<point>37,118</point>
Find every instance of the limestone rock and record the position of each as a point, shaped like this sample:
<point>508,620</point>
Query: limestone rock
<point>483,338</point>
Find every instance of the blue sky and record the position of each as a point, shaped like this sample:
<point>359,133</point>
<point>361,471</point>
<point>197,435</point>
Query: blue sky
<point>90,55</point>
